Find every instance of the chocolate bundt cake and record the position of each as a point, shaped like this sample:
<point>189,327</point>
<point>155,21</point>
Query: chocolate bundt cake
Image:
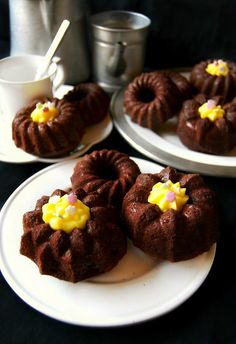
<point>206,126</point>
<point>215,77</point>
<point>171,215</point>
<point>183,85</point>
<point>109,172</point>
<point>48,128</point>
<point>151,99</point>
<point>92,102</point>
<point>72,254</point>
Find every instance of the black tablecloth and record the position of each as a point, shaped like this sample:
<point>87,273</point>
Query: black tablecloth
<point>209,316</point>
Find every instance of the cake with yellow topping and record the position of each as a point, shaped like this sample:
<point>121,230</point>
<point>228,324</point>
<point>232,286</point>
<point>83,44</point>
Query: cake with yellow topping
<point>171,215</point>
<point>208,126</point>
<point>48,127</point>
<point>215,78</point>
<point>73,236</point>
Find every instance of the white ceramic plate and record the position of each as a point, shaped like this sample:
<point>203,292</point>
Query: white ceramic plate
<point>93,135</point>
<point>165,147</point>
<point>137,289</point>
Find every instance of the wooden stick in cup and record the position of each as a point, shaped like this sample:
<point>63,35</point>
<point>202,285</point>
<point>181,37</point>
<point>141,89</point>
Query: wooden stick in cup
<point>52,49</point>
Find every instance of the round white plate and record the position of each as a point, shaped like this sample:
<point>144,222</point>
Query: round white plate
<point>137,289</point>
<point>93,135</point>
<point>165,146</point>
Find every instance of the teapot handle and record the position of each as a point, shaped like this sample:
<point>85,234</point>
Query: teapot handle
<point>59,77</point>
<point>116,64</point>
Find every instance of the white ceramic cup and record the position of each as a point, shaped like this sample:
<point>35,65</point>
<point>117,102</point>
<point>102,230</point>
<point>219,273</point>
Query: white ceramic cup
<point>17,84</point>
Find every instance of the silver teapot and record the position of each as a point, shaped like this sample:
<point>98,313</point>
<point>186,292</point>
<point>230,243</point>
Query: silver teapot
<point>34,23</point>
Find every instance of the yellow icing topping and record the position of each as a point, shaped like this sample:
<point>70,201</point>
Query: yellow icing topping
<point>211,110</point>
<point>44,112</point>
<point>168,196</point>
<point>65,213</point>
<point>218,67</point>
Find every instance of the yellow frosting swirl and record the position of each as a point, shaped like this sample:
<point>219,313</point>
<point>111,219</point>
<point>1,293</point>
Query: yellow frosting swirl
<point>168,196</point>
<point>65,213</point>
<point>218,68</point>
<point>211,111</point>
<point>44,112</point>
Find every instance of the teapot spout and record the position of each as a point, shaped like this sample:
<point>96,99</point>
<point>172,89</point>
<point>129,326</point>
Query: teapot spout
<point>116,64</point>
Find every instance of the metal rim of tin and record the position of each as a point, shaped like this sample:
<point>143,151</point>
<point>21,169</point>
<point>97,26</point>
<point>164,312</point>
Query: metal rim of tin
<point>95,20</point>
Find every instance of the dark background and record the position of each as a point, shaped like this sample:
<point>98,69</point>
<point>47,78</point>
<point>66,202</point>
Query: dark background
<point>182,33</point>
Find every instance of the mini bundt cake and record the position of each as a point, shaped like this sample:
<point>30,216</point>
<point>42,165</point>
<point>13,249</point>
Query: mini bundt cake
<point>206,126</point>
<point>183,85</point>
<point>92,102</point>
<point>48,128</point>
<point>109,172</point>
<point>170,215</point>
<point>151,99</point>
<point>68,250</point>
<point>215,77</point>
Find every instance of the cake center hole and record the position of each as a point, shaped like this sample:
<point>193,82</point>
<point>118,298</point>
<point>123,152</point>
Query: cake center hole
<point>107,172</point>
<point>147,95</point>
<point>81,95</point>
<point>77,96</point>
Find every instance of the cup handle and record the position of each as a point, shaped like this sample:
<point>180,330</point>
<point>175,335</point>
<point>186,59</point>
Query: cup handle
<point>59,77</point>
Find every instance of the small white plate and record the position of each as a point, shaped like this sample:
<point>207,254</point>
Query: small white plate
<point>137,289</point>
<point>93,135</point>
<point>166,147</point>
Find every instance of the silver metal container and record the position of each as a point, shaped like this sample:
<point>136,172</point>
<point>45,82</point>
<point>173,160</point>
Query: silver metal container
<point>118,46</point>
<point>34,23</point>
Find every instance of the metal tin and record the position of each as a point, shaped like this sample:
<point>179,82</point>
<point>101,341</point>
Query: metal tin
<point>118,47</point>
